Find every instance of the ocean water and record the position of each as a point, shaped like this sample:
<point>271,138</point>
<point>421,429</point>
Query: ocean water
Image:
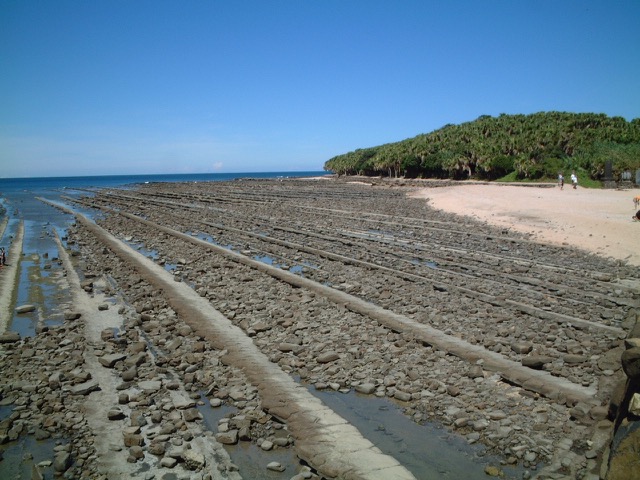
<point>45,184</point>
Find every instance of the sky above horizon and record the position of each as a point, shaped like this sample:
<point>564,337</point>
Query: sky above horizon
<point>143,87</point>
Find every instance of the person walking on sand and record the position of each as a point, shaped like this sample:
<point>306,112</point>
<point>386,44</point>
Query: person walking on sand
<point>574,180</point>
<point>561,180</point>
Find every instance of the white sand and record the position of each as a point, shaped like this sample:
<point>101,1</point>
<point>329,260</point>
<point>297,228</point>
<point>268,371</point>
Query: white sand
<point>599,221</point>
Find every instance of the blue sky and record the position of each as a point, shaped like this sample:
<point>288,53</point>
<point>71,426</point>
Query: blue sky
<point>132,87</point>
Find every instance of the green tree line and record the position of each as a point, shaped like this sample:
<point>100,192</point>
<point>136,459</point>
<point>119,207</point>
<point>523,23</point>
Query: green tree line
<point>535,146</point>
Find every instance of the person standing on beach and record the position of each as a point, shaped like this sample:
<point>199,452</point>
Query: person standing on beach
<point>561,180</point>
<point>574,180</point>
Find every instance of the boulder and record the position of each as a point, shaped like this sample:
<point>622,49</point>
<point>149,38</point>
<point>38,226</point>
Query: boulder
<point>631,362</point>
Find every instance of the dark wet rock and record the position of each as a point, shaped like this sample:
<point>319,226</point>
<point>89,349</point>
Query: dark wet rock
<point>631,363</point>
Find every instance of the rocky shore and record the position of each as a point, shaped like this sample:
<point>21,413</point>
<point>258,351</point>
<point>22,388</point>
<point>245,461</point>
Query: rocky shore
<point>507,342</point>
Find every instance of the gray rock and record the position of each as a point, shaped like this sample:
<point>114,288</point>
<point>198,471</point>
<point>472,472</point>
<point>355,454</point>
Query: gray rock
<point>367,388</point>
<point>522,348</point>
<point>10,337</point>
<point>402,396</point>
<point>475,371</point>
<point>191,415</point>
<point>574,359</point>
<point>631,362</point>
<point>25,308</point>
<point>276,467</point>
<point>109,361</point>
<point>536,361</point>
<point>85,388</point>
<point>115,414</point>
<point>228,438</point>
<point>193,460</point>
<point>327,357</point>
<point>62,462</point>
<point>150,386</point>
<point>168,462</point>
<point>68,316</point>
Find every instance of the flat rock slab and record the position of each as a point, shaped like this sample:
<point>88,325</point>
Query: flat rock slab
<point>85,388</point>
<point>110,360</point>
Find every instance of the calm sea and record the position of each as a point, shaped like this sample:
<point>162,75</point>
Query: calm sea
<point>44,184</point>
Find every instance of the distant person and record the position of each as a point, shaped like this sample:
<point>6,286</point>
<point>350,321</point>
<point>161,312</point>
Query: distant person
<point>574,180</point>
<point>561,180</point>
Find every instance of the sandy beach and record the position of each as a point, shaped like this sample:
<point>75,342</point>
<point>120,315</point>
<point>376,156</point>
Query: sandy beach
<point>598,221</point>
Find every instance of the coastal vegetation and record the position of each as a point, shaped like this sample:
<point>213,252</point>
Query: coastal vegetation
<point>508,147</point>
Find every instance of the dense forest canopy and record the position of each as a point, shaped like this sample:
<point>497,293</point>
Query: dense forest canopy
<point>535,146</point>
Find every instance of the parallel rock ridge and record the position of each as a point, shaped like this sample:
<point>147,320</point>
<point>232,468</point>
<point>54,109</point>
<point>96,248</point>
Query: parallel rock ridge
<point>233,288</point>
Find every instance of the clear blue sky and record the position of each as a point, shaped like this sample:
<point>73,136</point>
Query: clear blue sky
<point>125,87</point>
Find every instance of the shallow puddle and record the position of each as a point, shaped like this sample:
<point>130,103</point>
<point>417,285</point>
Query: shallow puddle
<point>20,457</point>
<point>250,459</point>
<point>427,451</point>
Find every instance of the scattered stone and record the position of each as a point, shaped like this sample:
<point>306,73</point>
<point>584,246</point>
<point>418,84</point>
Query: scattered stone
<point>193,460</point>
<point>85,388</point>
<point>276,467</point>
<point>366,388</point>
<point>536,361</point>
<point>9,337</point>
<point>25,309</point>
<point>327,357</point>
<point>109,361</point>
<point>70,316</point>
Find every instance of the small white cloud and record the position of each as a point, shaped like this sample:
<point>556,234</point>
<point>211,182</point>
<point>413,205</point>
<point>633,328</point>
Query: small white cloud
<point>217,166</point>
